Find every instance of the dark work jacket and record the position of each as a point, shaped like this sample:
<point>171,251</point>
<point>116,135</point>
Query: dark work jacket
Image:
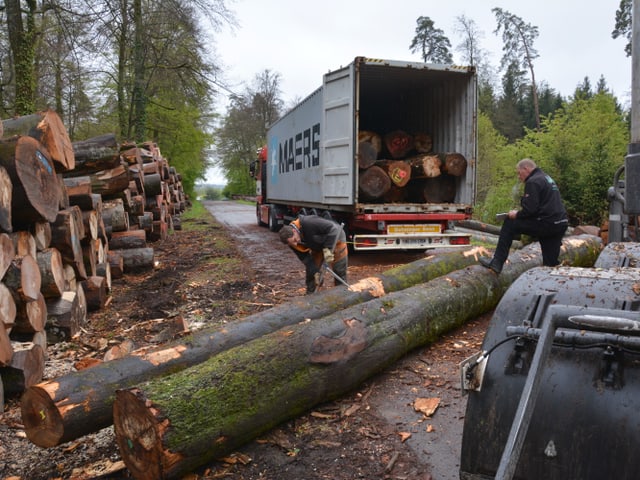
<point>316,233</point>
<point>541,200</point>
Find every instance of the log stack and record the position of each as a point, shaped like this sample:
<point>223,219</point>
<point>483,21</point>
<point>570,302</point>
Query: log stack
<point>61,203</point>
<point>400,167</point>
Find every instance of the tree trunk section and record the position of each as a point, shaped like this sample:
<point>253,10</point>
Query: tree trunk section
<point>36,189</point>
<point>110,182</point>
<point>95,290</point>
<point>96,154</point>
<point>24,243</point>
<point>373,183</point>
<point>171,425</point>
<point>25,369</point>
<point>126,240</point>
<point>23,278</point>
<point>136,259</point>
<point>425,166</point>
<point>7,308</point>
<point>65,315</point>
<point>6,190</point>
<point>7,253</point>
<point>398,144</point>
<point>31,317</point>
<point>74,405</point>
<point>399,171</point>
<point>454,164</point>
<point>42,233</point>
<point>66,235</point>
<point>47,128</point>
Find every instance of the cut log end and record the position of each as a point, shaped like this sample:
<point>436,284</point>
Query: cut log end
<point>42,421</point>
<point>137,435</point>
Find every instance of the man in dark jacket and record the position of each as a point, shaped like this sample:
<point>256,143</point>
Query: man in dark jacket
<point>316,240</point>
<point>542,216</point>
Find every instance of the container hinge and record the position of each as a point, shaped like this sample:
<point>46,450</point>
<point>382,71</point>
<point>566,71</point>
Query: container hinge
<point>610,374</point>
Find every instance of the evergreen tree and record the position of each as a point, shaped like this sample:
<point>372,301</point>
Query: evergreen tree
<point>431,42</point>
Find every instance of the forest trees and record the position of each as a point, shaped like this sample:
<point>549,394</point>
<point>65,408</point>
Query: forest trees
<point>244,130</point>
<point>139,68</point>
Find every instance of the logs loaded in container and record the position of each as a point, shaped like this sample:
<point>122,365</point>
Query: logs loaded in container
<point>400,167</point>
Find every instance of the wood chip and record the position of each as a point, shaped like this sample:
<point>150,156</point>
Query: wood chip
<point>427,406</point>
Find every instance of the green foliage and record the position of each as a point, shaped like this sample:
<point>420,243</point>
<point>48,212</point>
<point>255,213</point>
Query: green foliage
<point>580,146</point>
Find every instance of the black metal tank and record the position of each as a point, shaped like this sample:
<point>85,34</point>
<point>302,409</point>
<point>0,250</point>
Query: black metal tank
<point>585,424</point>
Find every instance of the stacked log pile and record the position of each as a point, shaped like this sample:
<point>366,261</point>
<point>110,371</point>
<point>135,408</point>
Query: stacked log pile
<point>73,216</point>
<point>399,167</point>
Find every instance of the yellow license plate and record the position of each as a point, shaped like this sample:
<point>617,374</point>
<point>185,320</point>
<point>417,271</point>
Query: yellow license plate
<point>413,229</point>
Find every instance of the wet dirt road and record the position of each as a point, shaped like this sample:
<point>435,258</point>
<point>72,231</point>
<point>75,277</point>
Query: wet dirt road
<point>431,372</point>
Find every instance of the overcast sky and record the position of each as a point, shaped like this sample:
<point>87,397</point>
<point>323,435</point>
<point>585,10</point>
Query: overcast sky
<point>301,40</point>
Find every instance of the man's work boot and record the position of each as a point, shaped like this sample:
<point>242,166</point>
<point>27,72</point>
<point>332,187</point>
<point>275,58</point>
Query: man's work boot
<point>492,264</point>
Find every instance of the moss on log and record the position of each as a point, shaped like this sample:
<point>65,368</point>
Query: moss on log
<point>172,425</point>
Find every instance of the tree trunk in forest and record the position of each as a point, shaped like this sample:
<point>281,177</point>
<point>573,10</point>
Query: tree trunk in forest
<point>6,190</point>
<point>36,189</point>
<point>171,425</point>
<point>76,404</point>
<point>373,183</point>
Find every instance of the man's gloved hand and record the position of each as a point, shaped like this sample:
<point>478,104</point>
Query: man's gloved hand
<point>318,278</point>
<point>328,255</point>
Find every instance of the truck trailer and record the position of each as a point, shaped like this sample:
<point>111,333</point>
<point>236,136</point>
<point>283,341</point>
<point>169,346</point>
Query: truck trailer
<point>386,148</point>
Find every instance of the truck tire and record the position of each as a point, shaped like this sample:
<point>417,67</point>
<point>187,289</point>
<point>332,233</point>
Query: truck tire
<point>258,219</point>
<point>274,226</point>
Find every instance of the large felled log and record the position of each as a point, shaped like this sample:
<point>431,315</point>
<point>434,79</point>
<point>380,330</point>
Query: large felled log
<point>454,164</point>
<point>96,154</point>
<point>66,236</point>
<point>23,278</point>
<point>425,166</point>
<point>171,425</point>
<point>129,239</point>
<point>137,259</point>
<point>47,128</point>
<point>7,253</point>
<point>68,407</point>
<point>95,290</point>
<point>373,183</point>
<point>110,182</point>
<point>7,308</point>
<point>6,189</point>
<point>399,171</point>
<point>398,144</point>
<point>422,142</point>
<point>36,189</point>
<point>25,369</point>
<point>65,315</point>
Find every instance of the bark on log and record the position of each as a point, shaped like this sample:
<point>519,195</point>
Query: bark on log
<point>126,240</point>
<point>136,259</point>
<point>441,189</point>
<point>171,425</point>
<point>95,154</point>
<point>367,155</point>
<point>47,128</point>
<point>373,183</point>
<point>64,317</point>
<point>399,171</point>
<point>68,407</point>
<point>116,264</point>
<point>25,369</point>
<point>78,186</point>
<point>152,184</point>
<point>110,182</point>
<point>95,290</point>
<point>6,190</point>
<point>36,190</point>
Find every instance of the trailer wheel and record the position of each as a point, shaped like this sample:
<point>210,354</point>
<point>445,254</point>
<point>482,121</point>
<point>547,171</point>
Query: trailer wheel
<point>274,226</point>
<point>258,218</point>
